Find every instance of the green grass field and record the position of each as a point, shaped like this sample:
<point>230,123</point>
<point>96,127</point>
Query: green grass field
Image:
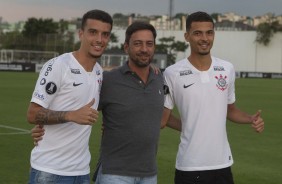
<point>258,157</point>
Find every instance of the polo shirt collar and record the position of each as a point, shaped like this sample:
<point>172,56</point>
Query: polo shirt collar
<point>125,69</point>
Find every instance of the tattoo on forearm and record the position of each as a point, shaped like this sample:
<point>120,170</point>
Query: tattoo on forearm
<point>48,117</point>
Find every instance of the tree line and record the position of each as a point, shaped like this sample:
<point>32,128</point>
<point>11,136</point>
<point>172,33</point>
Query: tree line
<point>48,35</point>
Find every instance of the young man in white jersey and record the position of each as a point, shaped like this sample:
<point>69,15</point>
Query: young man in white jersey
<point>64,101</point>
<point>131,102</point>
<point>202,88</point>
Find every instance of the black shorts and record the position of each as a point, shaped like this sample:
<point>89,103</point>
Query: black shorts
<point>218,176</point>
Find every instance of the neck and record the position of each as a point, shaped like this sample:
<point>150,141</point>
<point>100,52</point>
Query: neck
<point>201,62</point>
<point>85,61</point>
<point>142,72</point>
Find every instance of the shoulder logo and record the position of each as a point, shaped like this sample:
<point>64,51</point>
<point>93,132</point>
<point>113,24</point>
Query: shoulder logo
<point>221,82</point>
<point>51,88</point>
<point>43,81</point>
<point>49,68</point>
<point>76,84</point>
<point>166,89</point>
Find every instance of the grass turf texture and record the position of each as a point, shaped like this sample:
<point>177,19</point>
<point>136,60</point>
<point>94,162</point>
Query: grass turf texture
<point>258,157</point>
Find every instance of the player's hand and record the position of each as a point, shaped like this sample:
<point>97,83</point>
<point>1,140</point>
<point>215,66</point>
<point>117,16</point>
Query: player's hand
<point>86,115</point>
<point>37,133</point>
<point>257,122</point>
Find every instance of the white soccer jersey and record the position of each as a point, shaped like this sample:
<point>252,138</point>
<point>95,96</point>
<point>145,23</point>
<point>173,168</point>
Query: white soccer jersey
<point>201,98</point>
<point>64,85</point>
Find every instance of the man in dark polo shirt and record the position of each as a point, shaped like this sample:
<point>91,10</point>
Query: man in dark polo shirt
<point>132,102</point>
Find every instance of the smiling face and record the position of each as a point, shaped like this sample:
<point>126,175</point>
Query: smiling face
<point>140,48</point>
<point>201,37</point>
<point>94,37</point>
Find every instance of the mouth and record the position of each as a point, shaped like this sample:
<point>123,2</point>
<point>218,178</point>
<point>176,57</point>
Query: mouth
<point>204,46</point>
<point>97,47</point>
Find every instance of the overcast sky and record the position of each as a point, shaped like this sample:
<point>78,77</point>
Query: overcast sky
<point>15,10</point>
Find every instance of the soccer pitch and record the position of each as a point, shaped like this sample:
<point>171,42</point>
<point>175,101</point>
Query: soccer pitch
<point>257,157</point>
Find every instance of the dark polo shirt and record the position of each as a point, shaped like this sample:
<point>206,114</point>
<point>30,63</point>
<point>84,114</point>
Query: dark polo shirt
<point>132,114</point>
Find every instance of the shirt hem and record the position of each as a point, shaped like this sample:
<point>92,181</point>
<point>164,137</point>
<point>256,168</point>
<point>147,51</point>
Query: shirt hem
<point>61,173</point>
<point>204,168</point>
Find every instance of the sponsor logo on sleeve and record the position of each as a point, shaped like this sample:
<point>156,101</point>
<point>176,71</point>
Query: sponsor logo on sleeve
<point>51,88</point>
<point>49,68</point>
<point>38,95</point>
<point>42,81</point>
<point>166,89</point>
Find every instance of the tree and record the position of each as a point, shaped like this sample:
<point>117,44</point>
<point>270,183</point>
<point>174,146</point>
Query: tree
<point>113,40</point>
<point>11,40</point>
<point>215,16</point>
<point>39,33</point>
<point>180,15</point>
<point>119,16</point>
<point>169,46</point>
<point>34,27</point>
<point>266,30</point>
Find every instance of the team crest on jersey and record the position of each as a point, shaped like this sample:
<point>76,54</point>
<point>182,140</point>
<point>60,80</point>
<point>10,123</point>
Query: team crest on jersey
<point>218,68</point>
<point>99,81</point>
<point>221,82</point>
<point>75,71</point>
<point>185,72</point>
<point>51,88</point>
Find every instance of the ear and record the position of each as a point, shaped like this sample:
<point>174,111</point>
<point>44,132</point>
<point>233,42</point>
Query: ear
<point>80,33</point>
<point>186,36</point>
<point>125,47</point>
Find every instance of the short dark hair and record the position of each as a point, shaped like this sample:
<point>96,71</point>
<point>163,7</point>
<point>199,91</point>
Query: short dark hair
<point>197,17</point>
<point>97,15</point>
<point>137,26</point>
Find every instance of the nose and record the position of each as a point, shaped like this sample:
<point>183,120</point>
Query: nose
<point>144,47</point>
<point>204,37</point>
<point>99,38</point>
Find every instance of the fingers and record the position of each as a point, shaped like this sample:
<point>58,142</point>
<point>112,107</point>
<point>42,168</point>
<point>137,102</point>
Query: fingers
<point>86,115</point>
<point>90,104</point>
<point>257,115</point>
<point>258,123</point>
<point>37,133</point>
<point>93,117</point>
<point>259,129</point>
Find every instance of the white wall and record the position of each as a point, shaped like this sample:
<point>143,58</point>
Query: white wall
<point>238,47</point>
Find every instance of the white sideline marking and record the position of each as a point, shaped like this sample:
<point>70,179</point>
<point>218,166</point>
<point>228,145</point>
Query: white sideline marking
<point>21,131</point>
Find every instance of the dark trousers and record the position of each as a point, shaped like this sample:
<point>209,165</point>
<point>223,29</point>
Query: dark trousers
<point>218,176</point>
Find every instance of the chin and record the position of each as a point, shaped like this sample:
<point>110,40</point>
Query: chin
<point>204,53</point>
<point>96,56</point>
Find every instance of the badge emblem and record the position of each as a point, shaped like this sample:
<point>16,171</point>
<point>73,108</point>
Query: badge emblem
<point>51,88</point>
<point>221,82</point>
